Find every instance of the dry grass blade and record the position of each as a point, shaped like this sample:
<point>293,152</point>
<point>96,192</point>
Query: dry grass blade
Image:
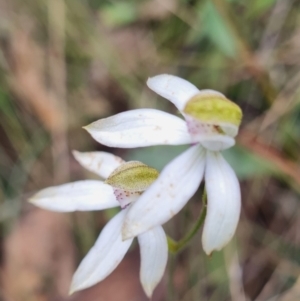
<point>26,80</point>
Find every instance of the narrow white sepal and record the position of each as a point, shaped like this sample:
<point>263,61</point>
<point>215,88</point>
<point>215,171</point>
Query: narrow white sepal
<point>223,203</point>
<point>177,182</point>
<point>175,89</point>
<point>154,257</point>
<point>137,128</point>
<point>81,195</point>
<point>101,163</point>
<point>104,256</point>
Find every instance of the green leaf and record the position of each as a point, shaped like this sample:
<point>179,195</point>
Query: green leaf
<point>119,14</point>
<point>217,30</point>
<point>260,7</point>
<point>156,156</point>
<point>245,164</point>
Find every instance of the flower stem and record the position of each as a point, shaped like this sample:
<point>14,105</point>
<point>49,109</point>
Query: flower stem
<point>176,246</point>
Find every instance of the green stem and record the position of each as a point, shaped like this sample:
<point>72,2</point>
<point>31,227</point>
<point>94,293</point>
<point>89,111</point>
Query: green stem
<point>176,246</point>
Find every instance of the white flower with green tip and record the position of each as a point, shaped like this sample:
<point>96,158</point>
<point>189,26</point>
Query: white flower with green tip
<point>124,184</point>
<point>211,122</point>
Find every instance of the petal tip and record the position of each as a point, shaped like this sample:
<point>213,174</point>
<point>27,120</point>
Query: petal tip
<point>73,289</point>
<point>208,252</point>
<point>89,129</point>
<point>148,290</point>
<point>208,247</point>
<point>76,286</point>
<point>157,79</point>
<point>31,200</point>
<point>34,200</point>
<point>75,153</point>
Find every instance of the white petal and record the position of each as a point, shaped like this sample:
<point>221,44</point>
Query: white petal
<point>178,181</point>
<point>173,88</point>
<point>223,203</point>
<point>81,195</point>
<point>154,257</point>
<point>101,163</point>
<point>103,257</point>
<point>217,142</point>
<point>136,128</point>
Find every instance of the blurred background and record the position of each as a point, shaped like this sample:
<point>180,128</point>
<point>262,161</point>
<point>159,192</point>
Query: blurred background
<point>66,63</point>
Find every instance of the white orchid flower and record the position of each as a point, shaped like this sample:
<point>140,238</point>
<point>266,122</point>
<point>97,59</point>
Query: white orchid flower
<point>124,184</point>
<point>211,122</point>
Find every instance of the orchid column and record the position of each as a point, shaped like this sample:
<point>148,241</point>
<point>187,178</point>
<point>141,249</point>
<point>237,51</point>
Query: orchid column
<point>211,124</point>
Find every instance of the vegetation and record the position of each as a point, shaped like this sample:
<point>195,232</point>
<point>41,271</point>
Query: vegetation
<point>66,63</point>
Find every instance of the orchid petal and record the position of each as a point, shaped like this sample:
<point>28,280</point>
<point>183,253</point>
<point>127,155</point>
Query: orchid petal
<point>142,127</point>
<point>81,195</point>
<point>217,142</point>
<point>223,203</point>
<point>101,163</point>
<point>177,182</point>
<point>154,256</point>
<point>103,257</point>
<point>175,89</point>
